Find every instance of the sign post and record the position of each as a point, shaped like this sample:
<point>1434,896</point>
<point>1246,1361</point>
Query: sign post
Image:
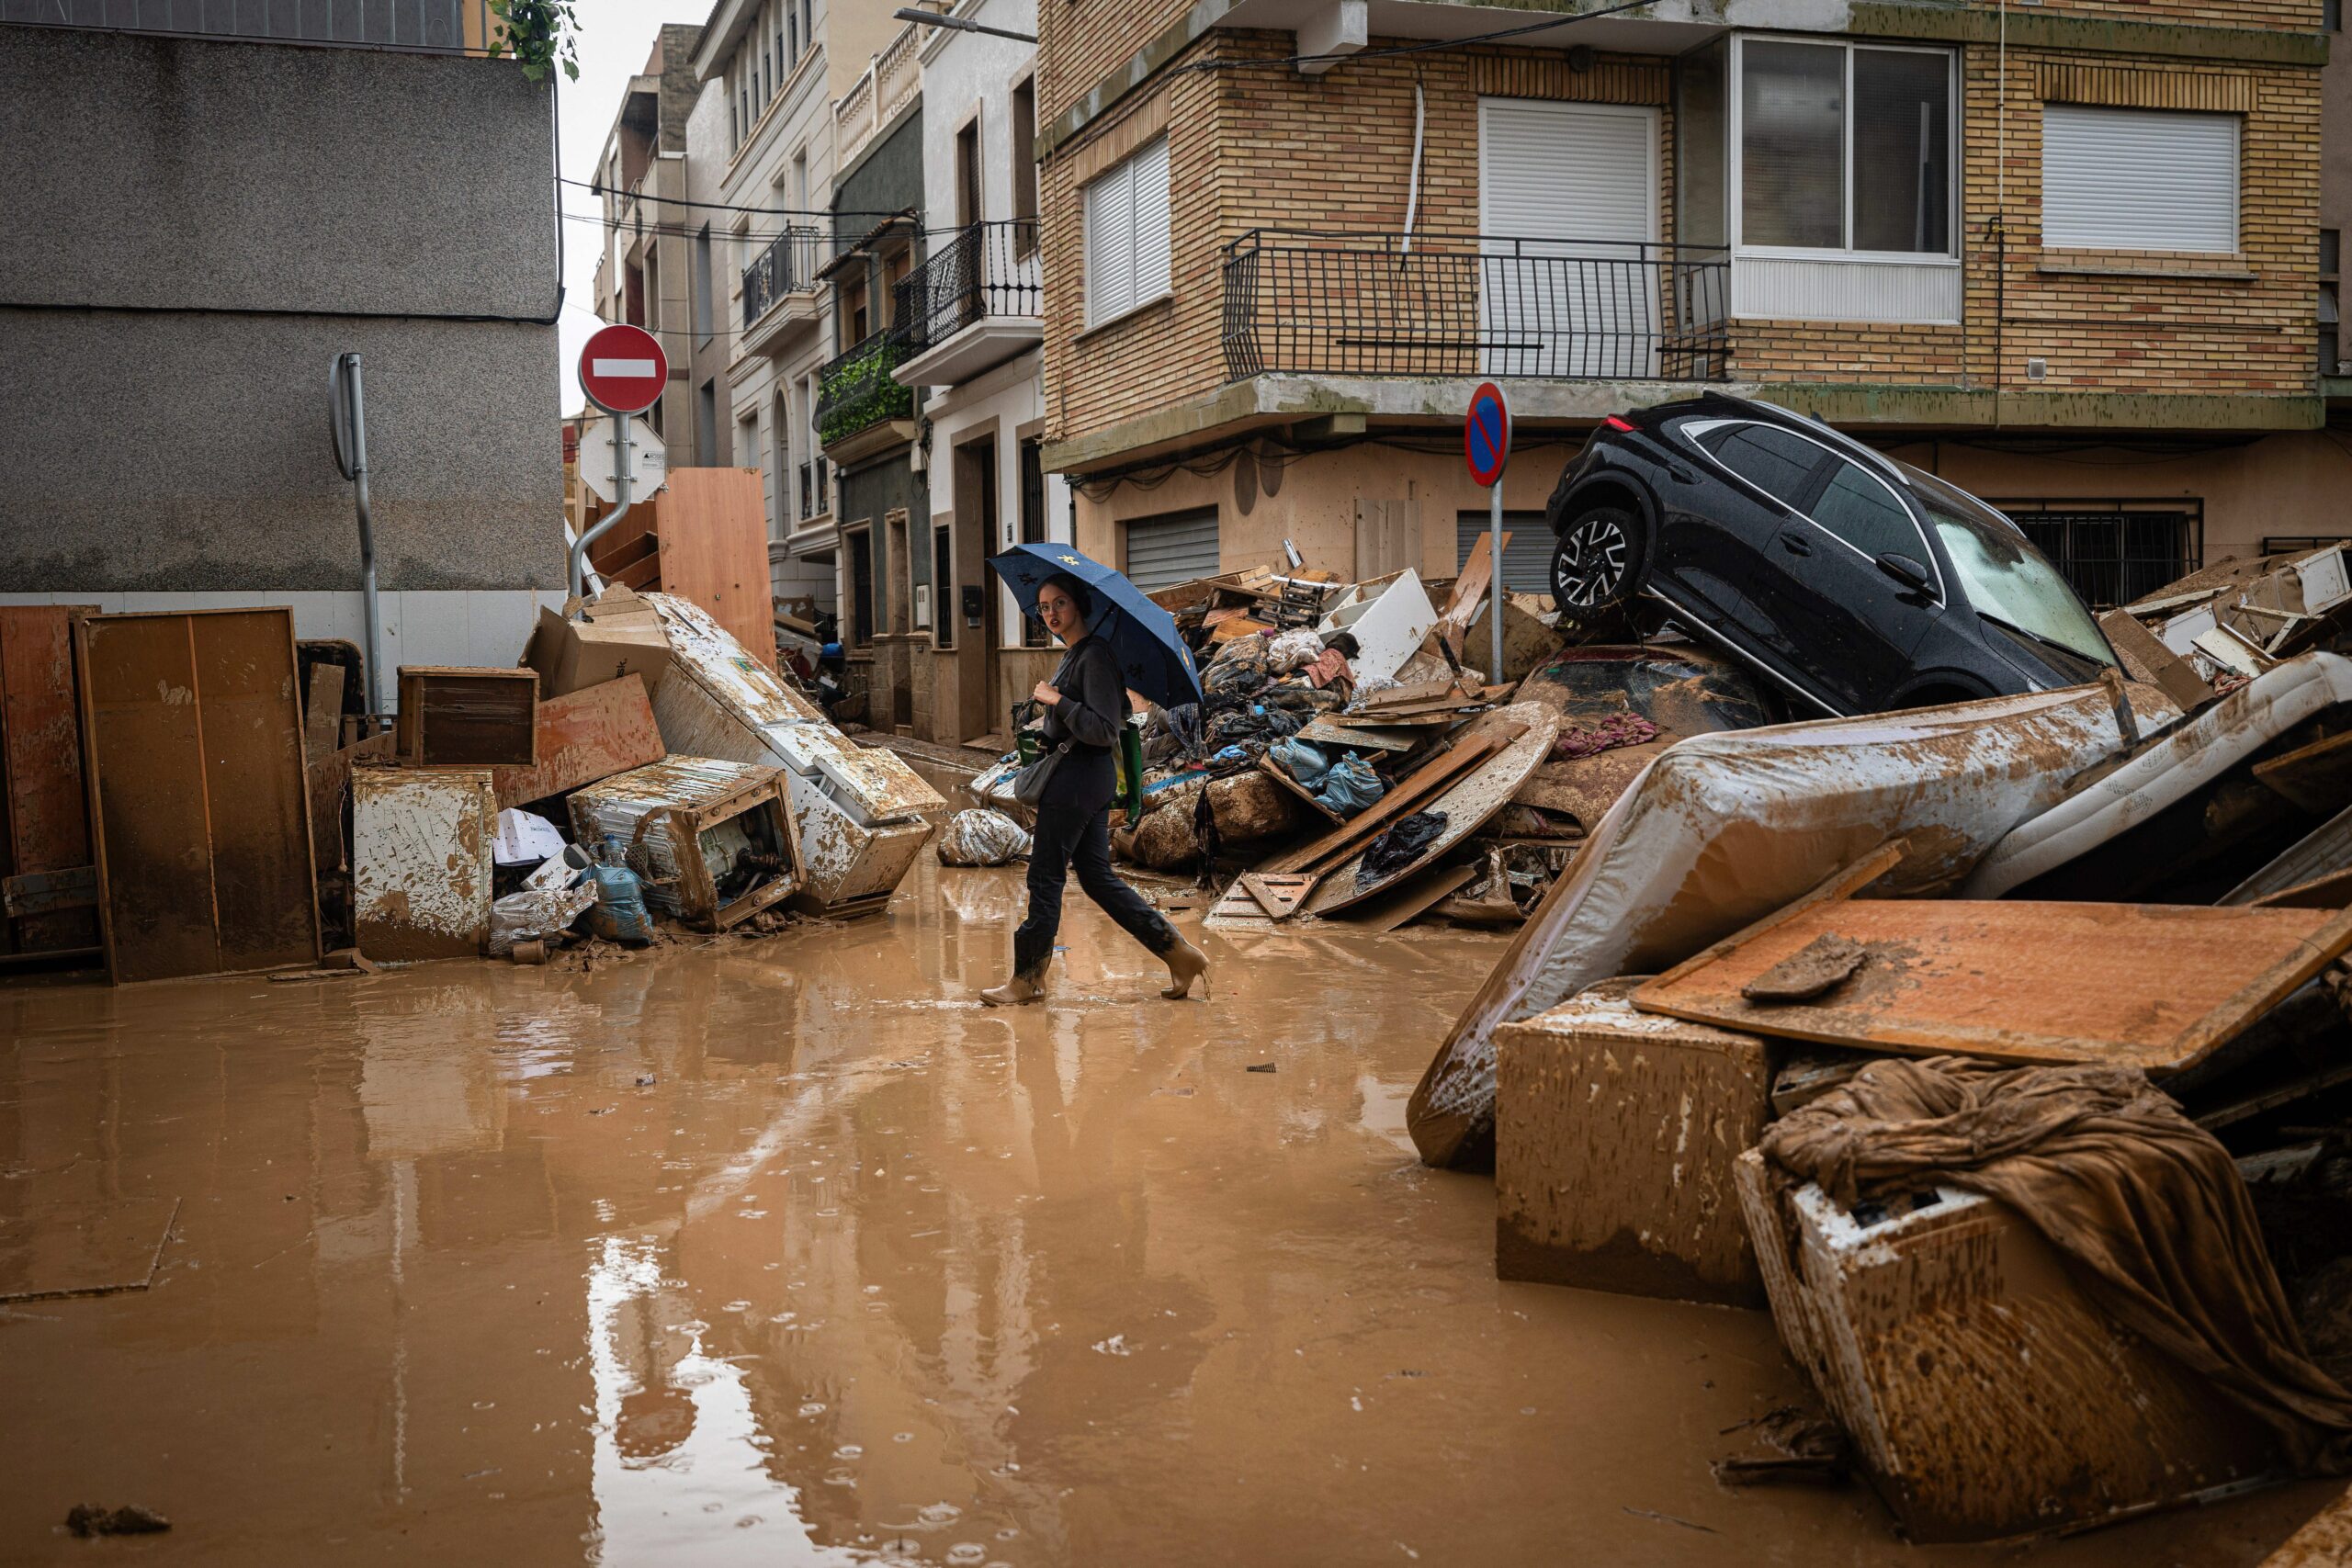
<point>624,371</point>
<point>1486,446</point>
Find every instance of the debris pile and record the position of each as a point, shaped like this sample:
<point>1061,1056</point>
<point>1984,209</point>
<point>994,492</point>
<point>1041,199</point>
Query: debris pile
<point>2000,1050</point>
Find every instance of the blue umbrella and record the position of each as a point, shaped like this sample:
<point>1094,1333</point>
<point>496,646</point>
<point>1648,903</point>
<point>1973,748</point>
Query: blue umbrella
<point>1152,658</point>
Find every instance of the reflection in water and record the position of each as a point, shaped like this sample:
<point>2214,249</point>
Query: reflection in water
<point>779,1251</point>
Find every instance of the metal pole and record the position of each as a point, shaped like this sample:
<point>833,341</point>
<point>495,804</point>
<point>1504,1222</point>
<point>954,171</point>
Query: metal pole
<point>1495,579</point>
<point>366,546</point>
<point>621,475</point>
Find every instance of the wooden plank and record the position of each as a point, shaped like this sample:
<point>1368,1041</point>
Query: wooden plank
<point>84,1249</point>
<point>1522,736</point>
<point>322,716</point>
<point>265,893</point>
<point>2333,891</point>
<point>1457,759</point>
<point>1323,732</point>
<point>145,762</point>
<point>2317,777</point>
<point>1409,900</point>
<point>2147,985</point>
<point>584,736</point>
<point>1274,771</point>
<point>44,806</point>
<point>1279,896</point>
<point>714,551</point>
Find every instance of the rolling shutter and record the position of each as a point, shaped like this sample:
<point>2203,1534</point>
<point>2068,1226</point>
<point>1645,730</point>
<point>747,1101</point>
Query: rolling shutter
<point>1150,173</point>
<point>1527,560</point>
<point>2139,179</point>
<point>1568,194</point>
<point>1126,235</point>
<point>1178,548</point>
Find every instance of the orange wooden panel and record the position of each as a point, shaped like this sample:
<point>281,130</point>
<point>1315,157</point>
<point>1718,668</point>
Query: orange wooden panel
<point>2155,986</point>
<point>146,761</point>
<point>249,705</point>
<point>584,736</point>
<point>714,551</point>
<point>43,807</point>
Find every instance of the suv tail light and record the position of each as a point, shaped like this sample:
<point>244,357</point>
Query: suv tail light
<point>1613,423</point>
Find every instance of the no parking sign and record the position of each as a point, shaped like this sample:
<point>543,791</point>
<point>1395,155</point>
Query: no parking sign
<point>1486,433</point>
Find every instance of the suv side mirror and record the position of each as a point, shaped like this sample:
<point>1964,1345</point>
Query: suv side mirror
<point>1909,572</point>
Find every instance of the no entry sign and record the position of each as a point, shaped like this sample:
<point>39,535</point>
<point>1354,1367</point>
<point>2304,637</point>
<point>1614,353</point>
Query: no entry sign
<point>623,369</point>
<point>1486,433</point>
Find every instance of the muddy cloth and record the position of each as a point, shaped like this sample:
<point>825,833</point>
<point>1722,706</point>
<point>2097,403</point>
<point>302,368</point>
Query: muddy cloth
<point>1591,740</point>
<point>1067,841</point>
<point>1184,724</point>
<point>2143,1202</point>
<point>1401,845</point>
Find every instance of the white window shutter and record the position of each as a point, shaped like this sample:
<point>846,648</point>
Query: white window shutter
<point>1149,171</point>
<point>2139,179</point>
<point>1110,245</point>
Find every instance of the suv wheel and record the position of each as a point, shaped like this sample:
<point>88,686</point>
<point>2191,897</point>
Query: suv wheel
<point>1598,570</point>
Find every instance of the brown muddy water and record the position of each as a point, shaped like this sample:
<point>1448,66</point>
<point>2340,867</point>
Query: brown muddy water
<point>783,1251</point>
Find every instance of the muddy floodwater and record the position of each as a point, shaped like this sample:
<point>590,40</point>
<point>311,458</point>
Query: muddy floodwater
<point>784,1251</point>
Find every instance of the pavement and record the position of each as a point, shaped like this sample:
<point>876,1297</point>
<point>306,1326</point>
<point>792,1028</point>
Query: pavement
<point>783,1250</point>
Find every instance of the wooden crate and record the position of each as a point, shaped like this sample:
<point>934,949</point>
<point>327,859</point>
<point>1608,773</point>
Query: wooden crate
<point>455,718</point>
<point>696,829</point>
<point>193,745</point>
<point>1615,1131</point>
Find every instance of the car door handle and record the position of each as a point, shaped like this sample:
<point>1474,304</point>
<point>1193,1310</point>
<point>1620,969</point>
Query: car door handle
<point>1796,545</point>
<point>1683,476</point>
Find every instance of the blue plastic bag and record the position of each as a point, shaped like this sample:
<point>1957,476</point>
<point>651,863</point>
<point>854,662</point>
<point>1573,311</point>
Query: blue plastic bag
<point>1304,761</point>
<point>620,914</point>
<point>1350,786</point>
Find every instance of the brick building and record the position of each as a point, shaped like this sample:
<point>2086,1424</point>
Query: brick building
<point>2069,254</point>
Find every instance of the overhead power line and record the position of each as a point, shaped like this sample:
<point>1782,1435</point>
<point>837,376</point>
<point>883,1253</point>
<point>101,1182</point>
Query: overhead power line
<point>600,188</point>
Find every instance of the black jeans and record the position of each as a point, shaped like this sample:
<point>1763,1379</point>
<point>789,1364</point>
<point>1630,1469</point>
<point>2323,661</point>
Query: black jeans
<point>1070,840</point>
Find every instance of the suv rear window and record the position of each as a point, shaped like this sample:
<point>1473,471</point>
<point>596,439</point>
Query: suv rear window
<point>1774,461</point>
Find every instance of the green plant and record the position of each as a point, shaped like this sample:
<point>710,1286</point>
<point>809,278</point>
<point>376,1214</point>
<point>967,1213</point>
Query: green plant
<point>857,391</point>
<point>542,34</point>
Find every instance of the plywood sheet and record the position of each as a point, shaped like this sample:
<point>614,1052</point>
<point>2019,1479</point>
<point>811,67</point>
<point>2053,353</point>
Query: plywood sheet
<point>83,1249</point>
<point>584,736</point>
<point>193,741</point>
<point>714,551</point>
<point>44,812</point>
<point>2155,986</point>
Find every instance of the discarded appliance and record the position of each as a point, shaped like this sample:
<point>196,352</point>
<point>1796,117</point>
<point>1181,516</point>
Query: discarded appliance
<point>2165,769</point>
<point>2003,981</point>
<point>1986,1395</point>
<point>863,815</point>
<point>713,841</point>
<point>1614,1137</point>
<point>452,718</point>
<point>194,744</point>
<point>1388,617</point>
<point>618,634</point>
<point>49,887</point>
<point>421,841</point>
<point>525,837</point>
<point>1723,830</point>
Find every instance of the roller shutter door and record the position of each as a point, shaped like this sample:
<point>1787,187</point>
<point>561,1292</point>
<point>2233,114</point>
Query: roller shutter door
<point>2139,179</point>
<point>1527,560</point>
<point>1178,548</point>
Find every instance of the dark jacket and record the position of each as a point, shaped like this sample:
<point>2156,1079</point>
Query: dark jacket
<point>1093,707</point>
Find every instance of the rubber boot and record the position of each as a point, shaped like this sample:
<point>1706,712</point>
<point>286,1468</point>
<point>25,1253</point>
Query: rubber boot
<point>1020,989</point>
<point>1186,963</point>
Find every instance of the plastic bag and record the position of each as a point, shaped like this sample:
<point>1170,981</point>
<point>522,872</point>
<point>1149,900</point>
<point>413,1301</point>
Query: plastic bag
<point>1302,760</point>
<point>535,913</point>
<point>1400,846</point>
<point>982,838</point>
<point>1292,649</point>
<point>619,914</point>
<point>1350,786</point>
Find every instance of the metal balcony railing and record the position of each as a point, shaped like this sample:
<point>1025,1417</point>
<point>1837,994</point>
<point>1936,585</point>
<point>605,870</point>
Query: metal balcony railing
<point>855,391</point>
<point>986,269</point>
<point>1460,305</point>
<point>451,26</point>
<point>788,266</point>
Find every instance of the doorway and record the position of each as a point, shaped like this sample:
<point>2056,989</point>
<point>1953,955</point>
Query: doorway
<point>968,599</point>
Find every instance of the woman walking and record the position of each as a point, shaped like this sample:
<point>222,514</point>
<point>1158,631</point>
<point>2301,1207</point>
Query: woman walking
<point>1085,703</point>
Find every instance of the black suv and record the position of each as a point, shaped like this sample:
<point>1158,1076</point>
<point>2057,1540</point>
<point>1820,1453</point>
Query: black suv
<point>1855,582</point>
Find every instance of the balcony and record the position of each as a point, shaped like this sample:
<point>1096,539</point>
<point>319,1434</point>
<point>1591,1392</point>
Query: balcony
<point>973,305</point>
<point>860,408</point>
<point>780,288</point>
<point>1459,307</point>
<point>889,84</point>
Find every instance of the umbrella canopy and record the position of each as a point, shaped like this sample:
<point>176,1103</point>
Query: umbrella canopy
<point>1152,658</point>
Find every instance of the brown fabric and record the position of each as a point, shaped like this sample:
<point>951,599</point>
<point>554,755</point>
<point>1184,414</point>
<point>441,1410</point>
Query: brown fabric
<point>2146,1204</point>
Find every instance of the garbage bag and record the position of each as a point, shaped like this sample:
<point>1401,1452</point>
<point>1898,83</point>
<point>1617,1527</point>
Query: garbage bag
<point>619,914</point>
<point>1350,786</point>
<point>982,838</point>
<point>537,913</point>
<point>1401,845</point>
<point>1302,760</point>
<point>1293,650</point>
<point>2148,1204</point>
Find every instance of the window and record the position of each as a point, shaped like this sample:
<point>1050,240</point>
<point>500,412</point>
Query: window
<point>707,424</point>
<point>1126,235</point>
<point>2330,256</point>
<point>702,282</point>
<point>1025,169</point>
<point>967,176</point>
<point>792,31</point>
<point>779,469</point>
<point>943,589</point>
<point>855,319</point>
<point>895,268</point>
<point>1033,524</point>
<point>1845,147</point>
<point>2115,551</point>
<point>1775,461</point>
<point>2331,14</point>
<point>2139,179</point>
<point>1860,510</point>
<point>861,587</point>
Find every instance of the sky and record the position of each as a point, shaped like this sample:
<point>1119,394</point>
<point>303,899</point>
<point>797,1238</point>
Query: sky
<point>615,38</point>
